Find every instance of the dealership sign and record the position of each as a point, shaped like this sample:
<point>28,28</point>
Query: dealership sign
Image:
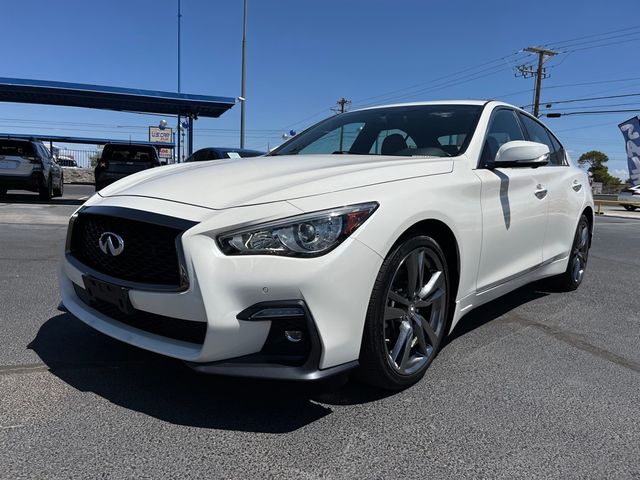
<point>165,153</point>
<point>631,132</point>
<point>160,135</point>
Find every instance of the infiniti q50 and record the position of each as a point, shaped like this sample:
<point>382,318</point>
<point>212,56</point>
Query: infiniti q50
<point>357,245</point>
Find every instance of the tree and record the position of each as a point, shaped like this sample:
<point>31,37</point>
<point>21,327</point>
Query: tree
<point>596,162</point>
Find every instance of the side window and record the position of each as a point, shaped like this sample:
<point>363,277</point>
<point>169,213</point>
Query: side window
<point>42,152</point>
<point>557,156</point>
<point>503,128</point>
<point>537,133</point>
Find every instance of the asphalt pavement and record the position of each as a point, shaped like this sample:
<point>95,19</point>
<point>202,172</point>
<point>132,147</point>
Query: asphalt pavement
<point>535,385</point>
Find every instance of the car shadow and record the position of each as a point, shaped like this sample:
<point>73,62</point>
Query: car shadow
<point>34,199</point>
<point>166,389</point>
<point>498,307</point>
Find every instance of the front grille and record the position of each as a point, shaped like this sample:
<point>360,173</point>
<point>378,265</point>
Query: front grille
<point>149,256</point>
<point>178,329</point>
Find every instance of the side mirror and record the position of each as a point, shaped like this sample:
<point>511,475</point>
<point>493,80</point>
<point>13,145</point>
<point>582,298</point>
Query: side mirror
<point>520,153</point>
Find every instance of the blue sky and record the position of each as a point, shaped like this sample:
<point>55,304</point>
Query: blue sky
<point>303,56</point>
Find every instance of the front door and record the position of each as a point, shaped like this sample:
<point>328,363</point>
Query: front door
<point>514,210</point>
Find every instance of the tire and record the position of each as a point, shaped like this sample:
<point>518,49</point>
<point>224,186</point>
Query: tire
<point>574,274</point>
<point>59,192</point>
<point>405,324</point>
<point>46,191</point>
<point>630,208</point>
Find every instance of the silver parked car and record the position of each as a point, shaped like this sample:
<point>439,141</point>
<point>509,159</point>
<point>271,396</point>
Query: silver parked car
<point>28,165</point>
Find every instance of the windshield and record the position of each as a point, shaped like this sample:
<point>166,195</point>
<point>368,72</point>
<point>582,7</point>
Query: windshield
<point>423,130</point>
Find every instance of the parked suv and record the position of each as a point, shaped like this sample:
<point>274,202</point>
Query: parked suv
<point>27,165</point>
<point>119,160</point>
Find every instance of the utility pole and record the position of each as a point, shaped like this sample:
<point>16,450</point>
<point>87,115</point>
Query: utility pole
<point>342,107</point>
<point>178,126</point>
<point>243,96</point>
<point>540,73</point>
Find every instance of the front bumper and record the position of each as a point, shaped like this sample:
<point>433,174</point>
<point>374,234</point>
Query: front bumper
<point>334,290</point>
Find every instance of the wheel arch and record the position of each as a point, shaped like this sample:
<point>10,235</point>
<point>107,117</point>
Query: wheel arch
<point>447,240</point>
<point>588,212</point>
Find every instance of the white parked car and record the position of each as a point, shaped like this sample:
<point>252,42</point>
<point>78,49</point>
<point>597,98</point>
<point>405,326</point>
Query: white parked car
<point>359,244</point>
<point>631,195</point>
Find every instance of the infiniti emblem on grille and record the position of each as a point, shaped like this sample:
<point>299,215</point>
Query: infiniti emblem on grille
<point>111,244</point>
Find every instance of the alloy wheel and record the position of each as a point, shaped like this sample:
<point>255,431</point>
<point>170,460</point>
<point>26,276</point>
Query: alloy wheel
<point>580,253</point>
<point>414,315</point>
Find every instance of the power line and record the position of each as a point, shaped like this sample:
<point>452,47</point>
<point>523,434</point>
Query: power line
<point>424,86</point>
<point>597,40</point>
<point>444,85</point>
<point>603,45</point>
<point>561,42</point>
<point>588,99</point>
<point>565,85</point>
<point>598,106</point>
<point>606,112</point>
<point>421,85</point>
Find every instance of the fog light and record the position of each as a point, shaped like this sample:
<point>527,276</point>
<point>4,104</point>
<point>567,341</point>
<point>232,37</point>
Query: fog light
<point>293,335</point>
<point>275,312</point>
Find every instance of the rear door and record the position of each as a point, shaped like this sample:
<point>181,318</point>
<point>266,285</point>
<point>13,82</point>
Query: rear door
<point>17,157</point>
<point>514,212</point>
<point>565,191</point>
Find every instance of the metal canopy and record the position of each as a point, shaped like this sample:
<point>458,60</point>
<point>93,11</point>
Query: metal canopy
<point>19,90</point>
<point>84,140</point>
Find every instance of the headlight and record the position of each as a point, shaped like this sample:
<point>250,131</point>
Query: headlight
<point>307,235</point>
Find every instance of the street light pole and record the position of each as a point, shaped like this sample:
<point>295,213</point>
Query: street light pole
<point>244,71</point>
<point>178,126</point>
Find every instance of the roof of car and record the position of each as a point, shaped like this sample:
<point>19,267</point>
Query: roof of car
<point>436,102</point>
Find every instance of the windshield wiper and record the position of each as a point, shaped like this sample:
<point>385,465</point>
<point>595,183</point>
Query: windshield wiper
<point>347,152</point>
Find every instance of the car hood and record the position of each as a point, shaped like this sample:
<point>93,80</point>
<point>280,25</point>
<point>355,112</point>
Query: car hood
<point>228,183</point>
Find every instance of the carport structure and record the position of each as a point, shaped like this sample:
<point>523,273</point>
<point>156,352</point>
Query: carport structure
<point>18,90</point>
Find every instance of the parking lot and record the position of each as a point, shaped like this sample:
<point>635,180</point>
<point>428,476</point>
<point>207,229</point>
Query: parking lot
<point>535,385</point>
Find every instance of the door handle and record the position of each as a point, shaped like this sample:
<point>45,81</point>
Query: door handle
<point>576,185</point>
<point>541,191</point>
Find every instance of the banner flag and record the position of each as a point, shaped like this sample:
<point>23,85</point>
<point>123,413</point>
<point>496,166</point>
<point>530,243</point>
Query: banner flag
<point>631,133</point>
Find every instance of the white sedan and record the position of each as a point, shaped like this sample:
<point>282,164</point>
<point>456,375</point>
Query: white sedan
<point>358,244</point>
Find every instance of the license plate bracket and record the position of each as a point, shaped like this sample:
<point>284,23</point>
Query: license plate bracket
<point>109,293</point>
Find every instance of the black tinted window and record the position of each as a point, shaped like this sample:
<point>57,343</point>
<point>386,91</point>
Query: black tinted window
<point>16,148</point>
<point>503,128</point>
<point>538,133</point>
<point>129,153</point>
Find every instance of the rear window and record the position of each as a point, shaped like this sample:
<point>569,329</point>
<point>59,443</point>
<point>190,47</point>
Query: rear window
<point>16,148</point>
<point>129,153</point>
